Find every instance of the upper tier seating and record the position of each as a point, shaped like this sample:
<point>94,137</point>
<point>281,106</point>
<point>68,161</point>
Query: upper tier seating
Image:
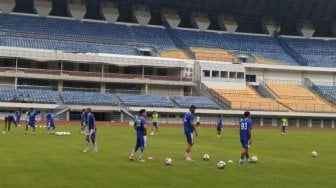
<point>258,46</point>
<point>329,90</point>
<point>299,98</point>
<point>83,33</point>
<point>145,100</point>
<point>26,95</point>
<point>88,98</point>
<point>246,99</point>
<point>317,52</point>
<point>198,101</point>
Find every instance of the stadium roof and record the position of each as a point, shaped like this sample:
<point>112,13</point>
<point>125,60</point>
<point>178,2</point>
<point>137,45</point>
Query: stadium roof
<point>248,13</point>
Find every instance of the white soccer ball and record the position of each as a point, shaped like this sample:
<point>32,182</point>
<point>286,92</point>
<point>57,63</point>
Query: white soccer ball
<point>168,161</point>
<point>206,157</point>
<point>221,164</point>
<point>314,154</point>
<point>254,159</point>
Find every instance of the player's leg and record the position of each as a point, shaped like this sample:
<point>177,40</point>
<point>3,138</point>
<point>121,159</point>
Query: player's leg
<point>190,142</point>
<point>141,149</point>
<point>34,129</point>
<point>9,125</point>
<point>93,140</point>
<point>87,142</point>
<point>145,140</point>
<point>152,129</point>
<point>157,128</point>
<point>15,123</point>
<point>134,150</point>
<point>243,152</point>
<point>5,126</point>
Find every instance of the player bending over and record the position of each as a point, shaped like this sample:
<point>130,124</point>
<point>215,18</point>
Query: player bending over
<point>9,119</point>
<point>245,131</point>
<point>31,120</point>
<point>140,127</point>
<point>50,122</point>
<point>219,125</point>
<point>189,129</point>
<point>155,123</point>
<point>91,132</point>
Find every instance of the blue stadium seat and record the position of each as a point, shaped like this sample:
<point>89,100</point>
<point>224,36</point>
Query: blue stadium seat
<point>145,100</point>
<point>198,101</point>
<point>81,36</point>
<point>26,95</point>
<point>88,98</point>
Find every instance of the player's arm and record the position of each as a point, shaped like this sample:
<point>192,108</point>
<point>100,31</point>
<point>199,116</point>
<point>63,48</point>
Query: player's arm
<point>193,127</point>
<point>143,123</point>
<point>250,134</point>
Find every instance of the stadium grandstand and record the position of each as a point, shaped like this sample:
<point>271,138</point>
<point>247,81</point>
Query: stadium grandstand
<point>165,55</point>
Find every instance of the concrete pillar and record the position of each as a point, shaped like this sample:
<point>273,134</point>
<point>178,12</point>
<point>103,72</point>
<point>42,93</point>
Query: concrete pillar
<point>228,23</point>
<point>142,14</point>
<point>6,6</point>
<point>310,123</point>
<point>297,122</point>
<point>274,122</point>
<point>43,7</point>
<point>102,88</point>
<point>60,86</point>
<point>15,82</point>
<point>333,124</point>
<point>306,28</point>
<point>121,116</point>
<point>77,9</point>
<point>146,89</point>
<point>67,118</point>
<point>201,20</point>
<point>172,17</point>
<point>111,12</point>
<point>270,26</point>
<point>322,123</point>
<point>262,121</point>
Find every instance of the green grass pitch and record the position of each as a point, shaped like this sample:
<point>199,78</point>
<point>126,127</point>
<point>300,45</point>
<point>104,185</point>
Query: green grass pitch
<point>42,160</point>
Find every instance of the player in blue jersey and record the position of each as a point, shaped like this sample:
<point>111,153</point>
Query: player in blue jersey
<point>9,119</point>
<point>50,122</point>
<point>189,129</point>
<point>245,131</point>
<point>91,131</point>
<point>31,120</point>
<point>82,121</point>
<point>219,125</point>
<point>18,115</point>
<point>140,127</point>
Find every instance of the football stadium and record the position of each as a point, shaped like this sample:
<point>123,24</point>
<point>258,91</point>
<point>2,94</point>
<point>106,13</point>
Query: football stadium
<point>167,93</point>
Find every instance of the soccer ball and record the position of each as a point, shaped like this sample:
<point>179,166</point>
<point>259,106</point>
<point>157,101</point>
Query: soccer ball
<point>206,157</point>
<point>314,154</point>
<point>254,159</point>
<point>221,164</point>
<point>168,161</point>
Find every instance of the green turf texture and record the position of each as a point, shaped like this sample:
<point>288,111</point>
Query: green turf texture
<point>43,160</point>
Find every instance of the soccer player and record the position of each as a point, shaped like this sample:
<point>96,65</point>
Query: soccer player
<point>155,123</point>
<point>18,115</point>
<point>8,122</point>
<point>91,132</point>
<point>31,121</point>
<point>83,121</point>
<point>140,127</point>
<point>189,129</point>
<point>219,126</point>
<point>198,122</point>
<point>245,131</point>
<point>50,122</point>
<point>284,124</point>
